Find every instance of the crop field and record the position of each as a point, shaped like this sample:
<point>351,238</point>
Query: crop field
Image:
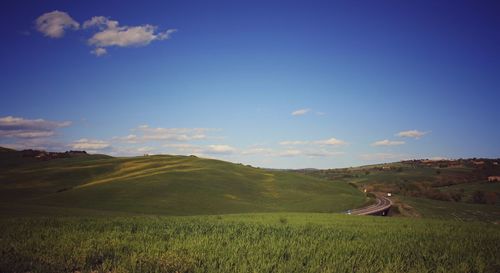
<point>274,242</point>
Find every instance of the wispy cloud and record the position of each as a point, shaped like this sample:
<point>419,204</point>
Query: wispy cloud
<point>53,24</point>
<point>307,153</point>
<point>300,112</point>
<point>322,153</point>
<point>17,127</point>
<point>47,144</point>
<point>412,134</point>
<point>145,133</point>
<point>331,141</point>
<point>89,144</point>
<point>289,153</point>
<point>257,151</point>
<point>99,51</point>
<point>219,149</point>
<point>214,149</point>
<point>387,142</point>
<point>293,142</point>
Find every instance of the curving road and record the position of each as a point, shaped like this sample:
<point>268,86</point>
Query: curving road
<point>381,204</point>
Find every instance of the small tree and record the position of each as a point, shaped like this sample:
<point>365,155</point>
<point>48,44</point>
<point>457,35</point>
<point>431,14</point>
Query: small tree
<point>456,196</point>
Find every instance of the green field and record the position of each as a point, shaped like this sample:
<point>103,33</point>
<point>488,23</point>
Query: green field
<point>460,211</point>
<point>96,213</point>
<point>161,185</point>
<point>428,191</point>
<point>273,242</point>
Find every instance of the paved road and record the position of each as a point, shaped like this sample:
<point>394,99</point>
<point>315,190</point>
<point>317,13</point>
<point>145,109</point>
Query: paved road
<point>381,203</point>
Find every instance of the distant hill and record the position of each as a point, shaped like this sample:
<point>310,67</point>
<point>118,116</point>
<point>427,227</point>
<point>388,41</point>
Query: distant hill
<point>164,184</point>
<point>6,150</point>
<point>457,187</point>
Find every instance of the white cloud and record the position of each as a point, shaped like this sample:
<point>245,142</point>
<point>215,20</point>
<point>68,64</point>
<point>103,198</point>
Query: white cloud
<point>26,134</point>
<point>53,24</point>
<point>257,151</point>
<point>300,112</point>
<point>332,141</point>
<point>128,139</point>
<point>387,142</point>
<point>293,142</point>
<point>412,133</point>
<point>181,146</point>
<point>172,134</point>
<point>290,153</point>
<point>46,144</point>
<point>146,149</point>
<point>101,22</point>
<point>322,153</point>
<point>108,32</point>
<point>99,51</point>
<point>219,149</point>
<point>10,122</point>
<point>16,127</point>
<point>89,144</point>
<point>112,34</point>
<point>145,133</point>
<point>308,153</point>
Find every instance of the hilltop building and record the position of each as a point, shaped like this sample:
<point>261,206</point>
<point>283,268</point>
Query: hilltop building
<point>494,178</point>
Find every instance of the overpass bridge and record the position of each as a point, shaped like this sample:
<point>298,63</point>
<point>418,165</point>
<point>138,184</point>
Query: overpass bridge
<point>381,207</point>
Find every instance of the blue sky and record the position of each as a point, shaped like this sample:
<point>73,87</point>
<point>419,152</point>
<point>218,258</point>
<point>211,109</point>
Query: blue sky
<point>283,84</point>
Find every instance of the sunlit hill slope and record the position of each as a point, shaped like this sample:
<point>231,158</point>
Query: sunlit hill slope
<point>163,184</point>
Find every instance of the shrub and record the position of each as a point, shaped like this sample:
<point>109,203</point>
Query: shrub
<point>478,197</point>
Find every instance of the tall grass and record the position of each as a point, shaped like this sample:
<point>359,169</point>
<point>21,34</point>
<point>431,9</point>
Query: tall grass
<point>247,243</point>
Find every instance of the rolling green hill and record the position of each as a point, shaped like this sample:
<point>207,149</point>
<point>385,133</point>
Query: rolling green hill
<point>108,232</point>
<point>457,189</point>
<point>164,185</point>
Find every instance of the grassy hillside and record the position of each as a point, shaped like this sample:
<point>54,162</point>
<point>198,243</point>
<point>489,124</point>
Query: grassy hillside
<point>461,211</point>
<point>450,189</point>
<point>167,185</point>
<point>273,242</point>
<point>108,232</point>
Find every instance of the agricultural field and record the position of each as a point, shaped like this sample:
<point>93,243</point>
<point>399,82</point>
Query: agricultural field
<point>95,213</point>
<point>269,242</point>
